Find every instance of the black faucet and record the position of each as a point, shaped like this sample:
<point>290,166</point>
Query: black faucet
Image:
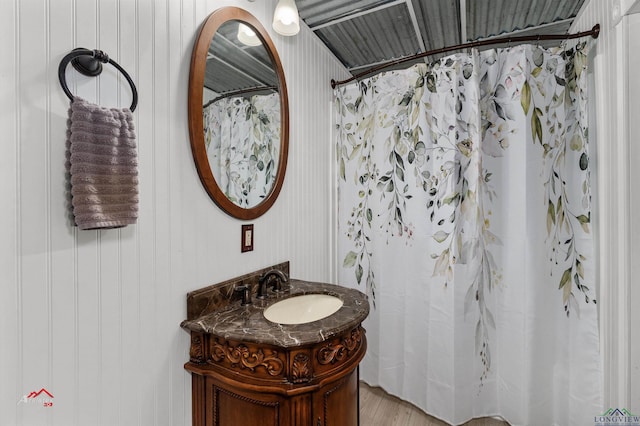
<point>264,280</point>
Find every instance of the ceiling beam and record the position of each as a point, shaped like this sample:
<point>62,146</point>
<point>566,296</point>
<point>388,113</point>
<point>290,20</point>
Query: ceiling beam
<point>351,16</point>
<point>463,21</point>
<point>530,29</point>
<point>416,27</point>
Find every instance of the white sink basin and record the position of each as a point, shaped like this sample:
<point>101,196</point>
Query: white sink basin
<point>303,309</point>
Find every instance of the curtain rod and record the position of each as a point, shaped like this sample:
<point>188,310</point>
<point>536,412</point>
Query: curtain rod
<point>240,92</point>
<point>594,32</point>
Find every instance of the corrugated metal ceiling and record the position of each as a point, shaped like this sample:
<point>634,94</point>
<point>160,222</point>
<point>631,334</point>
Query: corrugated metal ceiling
<point>365,33</point>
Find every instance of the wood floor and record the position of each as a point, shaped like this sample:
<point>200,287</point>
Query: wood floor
<point>377,408</point>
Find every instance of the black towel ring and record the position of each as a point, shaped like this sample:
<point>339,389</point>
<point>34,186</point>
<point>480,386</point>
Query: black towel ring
<point>88,62</point>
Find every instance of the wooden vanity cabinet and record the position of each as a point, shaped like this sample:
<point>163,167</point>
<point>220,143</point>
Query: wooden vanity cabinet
<point>238,383</point>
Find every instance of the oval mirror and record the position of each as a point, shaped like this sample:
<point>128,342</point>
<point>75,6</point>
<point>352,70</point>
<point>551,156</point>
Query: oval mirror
<point>238,113</point>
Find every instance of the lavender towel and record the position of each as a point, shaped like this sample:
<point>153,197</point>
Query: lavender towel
<point>103,165</point>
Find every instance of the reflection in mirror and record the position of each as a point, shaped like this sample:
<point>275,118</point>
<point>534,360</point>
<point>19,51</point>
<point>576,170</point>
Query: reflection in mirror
<point>241,115</point>
<point>238,113</point>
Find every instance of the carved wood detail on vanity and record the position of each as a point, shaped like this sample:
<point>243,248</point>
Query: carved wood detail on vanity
<point>250,357</point>
<point>267,363</point>
<point>196,351</point>
<point>340,349</point>
<point>301,369</point>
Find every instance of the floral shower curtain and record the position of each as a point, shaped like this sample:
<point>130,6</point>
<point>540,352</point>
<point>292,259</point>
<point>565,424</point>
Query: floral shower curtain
<point>242,139</point>
<point>465,214</point>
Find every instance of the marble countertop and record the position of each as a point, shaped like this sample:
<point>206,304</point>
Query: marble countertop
<point>248,324</point>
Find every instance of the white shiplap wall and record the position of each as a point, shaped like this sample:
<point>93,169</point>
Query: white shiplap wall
<point>633,302</point>
<point>617,87</point>
<point>93,316</point>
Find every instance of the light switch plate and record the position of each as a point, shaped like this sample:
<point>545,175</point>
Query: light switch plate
<point>247,238</point>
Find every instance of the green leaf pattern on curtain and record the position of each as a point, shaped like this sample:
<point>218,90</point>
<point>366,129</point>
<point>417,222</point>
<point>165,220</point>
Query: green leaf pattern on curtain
<point>242,139</point>
<point>435,123</point>
<point>562,113</point>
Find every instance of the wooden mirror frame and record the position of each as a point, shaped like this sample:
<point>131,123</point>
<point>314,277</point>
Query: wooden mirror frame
<point>196,120</point>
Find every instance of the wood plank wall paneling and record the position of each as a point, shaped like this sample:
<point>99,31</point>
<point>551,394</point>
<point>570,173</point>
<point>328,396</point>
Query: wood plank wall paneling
<point>93,316</point>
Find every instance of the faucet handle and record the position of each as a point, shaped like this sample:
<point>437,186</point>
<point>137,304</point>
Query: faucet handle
<point>246,293</point>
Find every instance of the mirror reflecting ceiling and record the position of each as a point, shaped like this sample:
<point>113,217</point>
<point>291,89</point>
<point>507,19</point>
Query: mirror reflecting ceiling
<point>233,66</point>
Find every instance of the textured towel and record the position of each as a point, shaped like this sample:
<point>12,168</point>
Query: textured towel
<point>103,166</point>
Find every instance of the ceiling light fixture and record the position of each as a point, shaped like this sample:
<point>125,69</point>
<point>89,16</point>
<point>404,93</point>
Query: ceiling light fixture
<point>285,19</point>
<point>247,36</point>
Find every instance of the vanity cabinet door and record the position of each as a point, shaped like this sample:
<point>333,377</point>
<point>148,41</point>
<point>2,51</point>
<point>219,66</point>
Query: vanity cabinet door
<point>226,407</point>
<point>337,403</point>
